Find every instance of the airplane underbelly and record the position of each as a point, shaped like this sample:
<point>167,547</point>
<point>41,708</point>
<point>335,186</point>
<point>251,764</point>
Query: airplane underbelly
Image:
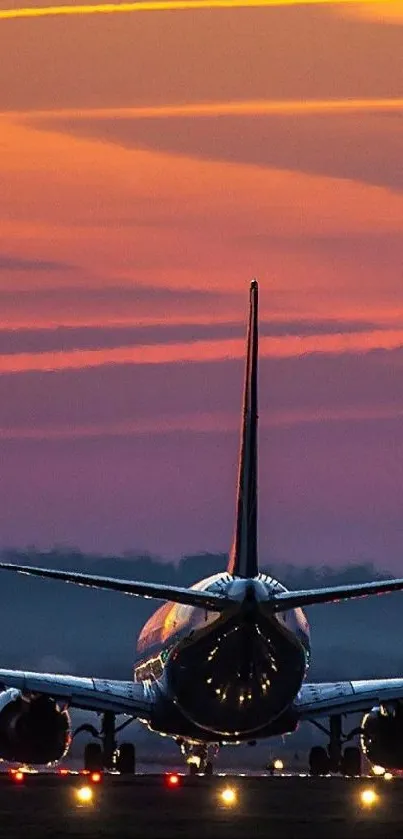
<point>237,677</point>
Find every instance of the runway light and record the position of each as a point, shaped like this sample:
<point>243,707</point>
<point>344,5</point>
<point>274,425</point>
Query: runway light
<point>96,777</point>
<point>84,795</point>
<point>278,764</point>
<point>18,776</point>
<point>378,770</point>
<point>228,796</point>
<point>172,781</point>
<point>369,797</point>
<point>63,771</point>
<point>387,776</point>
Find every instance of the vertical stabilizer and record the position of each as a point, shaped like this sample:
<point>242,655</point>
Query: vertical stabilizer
<point>243,559</point>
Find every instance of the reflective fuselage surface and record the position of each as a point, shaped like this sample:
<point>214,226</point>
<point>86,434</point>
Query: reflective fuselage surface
<point>230,674</point>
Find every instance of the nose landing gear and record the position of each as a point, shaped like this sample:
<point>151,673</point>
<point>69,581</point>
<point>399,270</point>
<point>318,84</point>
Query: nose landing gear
<point>199,757</point>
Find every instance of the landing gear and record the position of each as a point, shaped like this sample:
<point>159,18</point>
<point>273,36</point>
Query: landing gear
<point>126,759</point>
<point>106,754</point>
<point>199,757</point>
<point>319,763</point>
<point>322,760</point>
<point>335,749</point>
<point>108,737</point>
<point>198,762</point>
<point>351,761</point>
<point>209,768</point>
<point>93,757</point>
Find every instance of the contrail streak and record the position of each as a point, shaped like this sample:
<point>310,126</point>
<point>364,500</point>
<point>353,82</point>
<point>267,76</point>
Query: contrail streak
<point>259,107</point>
<point>163,6</point>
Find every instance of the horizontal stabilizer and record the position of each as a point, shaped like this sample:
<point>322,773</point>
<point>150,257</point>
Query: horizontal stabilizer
<point>175,594</point>
<point>333,594</point>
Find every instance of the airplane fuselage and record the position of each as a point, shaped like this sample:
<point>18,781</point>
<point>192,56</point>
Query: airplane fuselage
<point>230,676</point>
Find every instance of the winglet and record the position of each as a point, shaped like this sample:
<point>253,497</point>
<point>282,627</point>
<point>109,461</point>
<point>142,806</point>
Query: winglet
<point>243,558</point>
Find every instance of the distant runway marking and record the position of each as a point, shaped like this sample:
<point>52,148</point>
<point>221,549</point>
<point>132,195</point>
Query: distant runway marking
<point>163,6</point>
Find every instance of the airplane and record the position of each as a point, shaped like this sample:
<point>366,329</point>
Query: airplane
<point>223,661</point>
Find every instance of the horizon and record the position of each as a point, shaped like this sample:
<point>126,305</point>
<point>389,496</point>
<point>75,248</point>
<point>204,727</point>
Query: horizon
<point>358,569</point>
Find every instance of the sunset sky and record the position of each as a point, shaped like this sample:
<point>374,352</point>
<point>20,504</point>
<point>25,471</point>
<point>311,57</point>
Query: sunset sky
<point>151,164</point>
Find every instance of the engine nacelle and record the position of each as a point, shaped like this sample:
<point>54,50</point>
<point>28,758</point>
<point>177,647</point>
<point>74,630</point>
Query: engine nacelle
<point>32,730</point>
<point>382,736</point>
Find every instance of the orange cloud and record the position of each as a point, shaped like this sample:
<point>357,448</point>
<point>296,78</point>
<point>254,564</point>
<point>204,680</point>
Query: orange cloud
<point>326,56</point>
<point>200,351</point>
<point>158,6</point>
<point>201,422</point>
<point>128,218</point>
<point>258,107</point>
<point>382,11</point>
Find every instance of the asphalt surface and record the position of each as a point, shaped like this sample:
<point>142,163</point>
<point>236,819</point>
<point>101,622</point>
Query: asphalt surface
<point>147,806</point>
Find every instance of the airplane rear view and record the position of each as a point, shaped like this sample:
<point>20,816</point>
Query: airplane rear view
<point>223,661</point>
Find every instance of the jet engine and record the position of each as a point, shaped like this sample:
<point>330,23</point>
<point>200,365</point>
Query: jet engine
<point>32,729</point>
<point>382,736</point>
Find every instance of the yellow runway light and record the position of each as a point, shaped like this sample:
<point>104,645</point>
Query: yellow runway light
<point>84,795</point>
<point>369,797</point>
<point>387,776</point>
<point>278,764</point>
<point>229,796</point>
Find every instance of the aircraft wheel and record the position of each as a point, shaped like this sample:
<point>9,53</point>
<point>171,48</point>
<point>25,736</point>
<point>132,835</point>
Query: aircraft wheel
<point>126,759</point>
<point>351,761</point>
<point>93,757</point>
<point>208,769</point>
<point>319,763</point>
<point>193,768</point>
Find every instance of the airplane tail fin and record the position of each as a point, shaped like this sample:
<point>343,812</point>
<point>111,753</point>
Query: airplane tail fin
<point>243,560</point>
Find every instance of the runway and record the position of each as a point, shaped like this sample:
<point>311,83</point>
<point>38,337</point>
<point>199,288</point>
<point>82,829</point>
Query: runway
<point>149,805</point>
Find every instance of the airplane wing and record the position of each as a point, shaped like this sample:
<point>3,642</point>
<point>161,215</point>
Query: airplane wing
<point>203,599</point>
<point>333,594</point>
<point>326,698</point>
<point>133,698</point>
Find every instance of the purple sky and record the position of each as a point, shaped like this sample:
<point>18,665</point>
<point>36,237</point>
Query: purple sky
<point>128,240</point>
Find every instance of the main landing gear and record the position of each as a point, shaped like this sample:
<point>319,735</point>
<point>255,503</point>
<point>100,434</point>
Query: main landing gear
<point>333,758</point>
<point>199,757</point>
<point>106,754</point>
